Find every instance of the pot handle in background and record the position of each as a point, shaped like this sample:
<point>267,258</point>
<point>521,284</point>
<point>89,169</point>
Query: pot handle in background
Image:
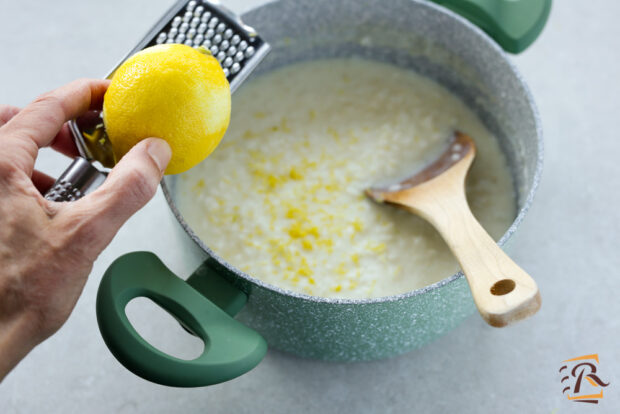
<point>231,348</point>
<point>514,24</point>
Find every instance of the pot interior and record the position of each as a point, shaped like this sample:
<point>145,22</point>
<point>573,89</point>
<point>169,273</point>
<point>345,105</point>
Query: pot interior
<point>420,37</point>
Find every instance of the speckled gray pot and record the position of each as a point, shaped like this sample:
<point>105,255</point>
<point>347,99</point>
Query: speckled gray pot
<point>439,44</point>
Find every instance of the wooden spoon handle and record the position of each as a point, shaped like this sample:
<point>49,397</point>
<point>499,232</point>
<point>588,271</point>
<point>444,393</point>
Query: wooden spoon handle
<point>502,291</point>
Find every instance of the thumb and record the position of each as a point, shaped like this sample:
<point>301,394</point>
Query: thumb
<point>129,186</point>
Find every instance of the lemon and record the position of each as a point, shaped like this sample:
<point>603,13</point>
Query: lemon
<point>174,92</point>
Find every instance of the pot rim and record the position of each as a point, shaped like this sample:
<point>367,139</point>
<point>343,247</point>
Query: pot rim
<point>483,37</point>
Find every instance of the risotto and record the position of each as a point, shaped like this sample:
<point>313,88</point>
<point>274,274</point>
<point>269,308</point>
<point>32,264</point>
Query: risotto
<point>282,197</point>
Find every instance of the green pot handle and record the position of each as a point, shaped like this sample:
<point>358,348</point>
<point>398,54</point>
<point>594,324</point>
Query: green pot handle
<point>514,24</point>
<point>231,348</point>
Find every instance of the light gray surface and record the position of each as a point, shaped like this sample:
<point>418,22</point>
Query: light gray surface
<point>568,242</point>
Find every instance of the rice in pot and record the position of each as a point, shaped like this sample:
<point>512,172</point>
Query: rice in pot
<point>282,197</point>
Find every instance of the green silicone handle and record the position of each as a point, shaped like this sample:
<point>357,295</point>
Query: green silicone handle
<point>514,24</point>
<point>231,348</point>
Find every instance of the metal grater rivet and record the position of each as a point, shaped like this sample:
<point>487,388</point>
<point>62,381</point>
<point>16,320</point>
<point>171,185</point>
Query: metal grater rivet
<point>220,28</point>
<point>235,40</point>
<point>243,45</point>
<point>224,45</point>
<point>173,32</point>
<point>235,68</point>
<point>249,51</point>
<point>180,38</point>
<point>226,72</point>
<point>207,43</point>
<point>214,49</point>
<point>217,38</point>
<point>194,23</point>
<point>227,62</point>
<point>210,33</point>
<point>213,22</point>
<point>202,28</point>
<point>189,42</point>
<point>161,38</point>
<point>169,41</point>
<point>239,56</point>
<point>191,33</point>
<point>176,21</point>
<point>183,28</point>
<point>187,16</point>
<point>220,56</point>
<point>199,10</point>
<point>231,51</point>
<point>191,5</point>
<point>228,33</point>
<point>198,39</point>
<point>205,17</point>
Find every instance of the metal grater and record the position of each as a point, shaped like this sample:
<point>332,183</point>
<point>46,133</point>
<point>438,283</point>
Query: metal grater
<point>206,23</point>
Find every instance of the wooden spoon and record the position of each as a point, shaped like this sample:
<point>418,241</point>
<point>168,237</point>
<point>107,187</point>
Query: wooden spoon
<point>502,291</point>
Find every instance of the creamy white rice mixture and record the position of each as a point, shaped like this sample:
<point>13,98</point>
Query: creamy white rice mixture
<point>282,197</point>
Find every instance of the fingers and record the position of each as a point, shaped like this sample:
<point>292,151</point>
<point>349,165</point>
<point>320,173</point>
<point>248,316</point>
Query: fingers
<point>63,142</point>
<point>7,112</point>
<point>39,122</point>
<point>42,181</point>
<point>130,185</point>
<point>42,119</point>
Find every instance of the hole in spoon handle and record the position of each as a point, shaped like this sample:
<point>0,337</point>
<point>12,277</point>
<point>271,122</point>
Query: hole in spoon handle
<point>503,287</point>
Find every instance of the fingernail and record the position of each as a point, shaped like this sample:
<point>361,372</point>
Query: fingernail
<point>160,152</point>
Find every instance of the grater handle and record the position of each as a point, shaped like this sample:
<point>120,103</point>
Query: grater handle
<point>79,179</point>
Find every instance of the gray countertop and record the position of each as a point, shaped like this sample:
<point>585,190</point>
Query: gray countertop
<point>569,243</point>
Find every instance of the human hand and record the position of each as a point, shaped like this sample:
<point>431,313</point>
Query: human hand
<point>47,249</point>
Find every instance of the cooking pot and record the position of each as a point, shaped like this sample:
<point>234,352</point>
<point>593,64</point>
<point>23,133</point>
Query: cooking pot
<point>236,314</point>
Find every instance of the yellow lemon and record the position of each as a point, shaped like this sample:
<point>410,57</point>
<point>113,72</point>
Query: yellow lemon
<point>172,92</point>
